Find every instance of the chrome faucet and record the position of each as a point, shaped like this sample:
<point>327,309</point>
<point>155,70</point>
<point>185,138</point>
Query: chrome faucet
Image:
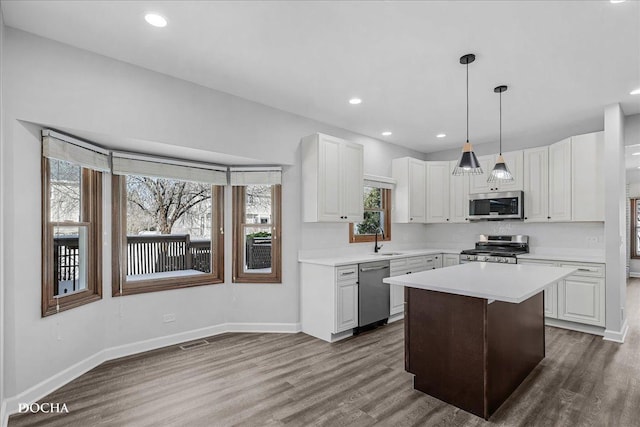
<point>376,248</point>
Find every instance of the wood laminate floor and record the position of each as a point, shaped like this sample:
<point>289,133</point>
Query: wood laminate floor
<point>296,380</point>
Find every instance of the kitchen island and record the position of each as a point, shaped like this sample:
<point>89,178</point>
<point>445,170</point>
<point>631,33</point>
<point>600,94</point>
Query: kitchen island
<point>473,332</point>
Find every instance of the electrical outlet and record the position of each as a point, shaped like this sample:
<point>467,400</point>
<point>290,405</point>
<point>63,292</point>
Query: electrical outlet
<point>167,318</point>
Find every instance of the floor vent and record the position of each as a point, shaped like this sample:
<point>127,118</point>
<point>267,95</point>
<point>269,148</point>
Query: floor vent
<point>194,344</point>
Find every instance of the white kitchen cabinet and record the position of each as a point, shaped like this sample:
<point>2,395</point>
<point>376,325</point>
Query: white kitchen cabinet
<point>547,183</point>
<point>550,293</point>
<point>578,298</point>
<point>332,179</point>
<point>347,306</point>
<point>437,203</point>
<point>328,300</point>
<point>450,259</point>
<point>515,163</point>
<point>410,190</point>
<point>407,266</point>
<point>433,261</point>
<point>581,296</point>
<point>478,183</point>
<point>398,267</point>
<point>551,301</point>
<point>536,184</point>
<point>587,177</point>
<point>560,181</point>
<point>458,196</point>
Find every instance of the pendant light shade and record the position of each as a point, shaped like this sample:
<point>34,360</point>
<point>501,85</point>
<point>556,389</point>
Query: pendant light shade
<point>468,163</point>
<point>500,172</point>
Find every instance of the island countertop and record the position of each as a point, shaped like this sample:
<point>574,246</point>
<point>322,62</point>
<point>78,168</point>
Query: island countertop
<point>512,283</point>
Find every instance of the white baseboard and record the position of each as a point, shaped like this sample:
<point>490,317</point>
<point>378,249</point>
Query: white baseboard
<point>281,328</point>
<point>617,336</point>
<point>589,329</point>
<point>634,274</point>
<point>394,317</point>
<point>38,391</point>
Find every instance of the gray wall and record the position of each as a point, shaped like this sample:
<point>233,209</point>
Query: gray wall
<point>63,87</point>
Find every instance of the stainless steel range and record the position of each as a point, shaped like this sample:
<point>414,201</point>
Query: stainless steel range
<point>496,249</point>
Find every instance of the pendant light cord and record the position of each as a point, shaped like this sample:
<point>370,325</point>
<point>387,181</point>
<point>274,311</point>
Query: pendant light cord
<point>501,123</point>
<point>467,101</point>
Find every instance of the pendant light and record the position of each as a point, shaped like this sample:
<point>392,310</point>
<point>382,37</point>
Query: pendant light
<point>468,163</point>
<point>500,172</point>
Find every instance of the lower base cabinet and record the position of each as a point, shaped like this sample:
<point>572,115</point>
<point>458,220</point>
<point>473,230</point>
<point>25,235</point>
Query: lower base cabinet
<point>407,266</point>
<point>328,300</point>
<point>450,259</point>
<point>578,298</point>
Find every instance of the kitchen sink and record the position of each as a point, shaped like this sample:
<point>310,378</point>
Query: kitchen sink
<point>386,253</point>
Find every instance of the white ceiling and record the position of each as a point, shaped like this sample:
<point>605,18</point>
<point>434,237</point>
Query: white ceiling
<point>563,61</point>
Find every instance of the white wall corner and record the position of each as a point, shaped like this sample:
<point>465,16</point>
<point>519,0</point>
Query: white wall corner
<point>4,416</point>
<point>617,336</point>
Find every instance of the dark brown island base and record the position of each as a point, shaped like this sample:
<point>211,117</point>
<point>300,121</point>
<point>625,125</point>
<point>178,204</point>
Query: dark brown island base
<point>473,333</point>
<point>469,353</point>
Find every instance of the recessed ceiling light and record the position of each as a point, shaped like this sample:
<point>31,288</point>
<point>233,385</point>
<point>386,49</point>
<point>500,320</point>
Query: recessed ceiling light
<point>636,154</point>
<point>441,135</point>
<point>617,1</point>
<point>155,20</point>
<point>387,133</point>
<point>355,101</point>
<point>635,92</point>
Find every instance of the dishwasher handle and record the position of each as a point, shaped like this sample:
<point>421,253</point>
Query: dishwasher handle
<point>382,267</point>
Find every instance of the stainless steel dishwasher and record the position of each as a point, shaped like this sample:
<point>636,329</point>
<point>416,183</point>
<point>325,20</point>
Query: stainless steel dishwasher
<point>373,295</point>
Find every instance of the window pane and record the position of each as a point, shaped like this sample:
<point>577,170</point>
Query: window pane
<point>372,198</point>
<point>257,239</point>
<point>69,259</point>
<point>65,191</point>
<point>373,221</point>
<point>168,228</point>
<point>258,204</point>
<point>257,253</point>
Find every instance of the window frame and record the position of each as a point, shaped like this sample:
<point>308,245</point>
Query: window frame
<point>238,216</point>
<point>120,286</point>
<point>386,208</point>
<point>91,217</point>
<point>634,228</point>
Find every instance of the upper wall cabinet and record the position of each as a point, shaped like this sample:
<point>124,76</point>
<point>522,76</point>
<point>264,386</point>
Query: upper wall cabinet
<point>438,191</point>
<point>458,195</point>
<point>409,194</point>
<point>587,177</point>
<point>560,181</point>
<point>565,181</point>
<point>536,184</point>
<point>514,161</point>
<point>547,183</point>
<point>332,179</point>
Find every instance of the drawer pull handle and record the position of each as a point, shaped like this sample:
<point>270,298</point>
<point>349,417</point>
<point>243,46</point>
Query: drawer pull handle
<point>374,268</point>
<point>346,273</point>
<point>587,269</point>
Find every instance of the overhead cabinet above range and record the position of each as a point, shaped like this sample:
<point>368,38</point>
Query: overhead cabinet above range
<point>513,160</point>
<point>332,179</point>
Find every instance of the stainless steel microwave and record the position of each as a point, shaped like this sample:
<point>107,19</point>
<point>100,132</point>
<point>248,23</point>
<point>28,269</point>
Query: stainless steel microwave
<point>496,206</point>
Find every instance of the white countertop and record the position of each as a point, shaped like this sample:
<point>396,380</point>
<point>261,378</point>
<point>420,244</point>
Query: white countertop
<point>501,282</point>
<point>338,260</point>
